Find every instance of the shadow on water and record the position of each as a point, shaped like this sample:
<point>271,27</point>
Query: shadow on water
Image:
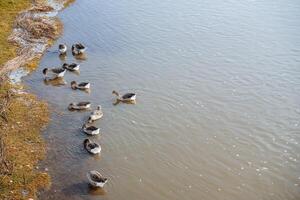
<point>117,101</point>
<point>82,56</point>
<point>58,82</point>
<point>83,189</point>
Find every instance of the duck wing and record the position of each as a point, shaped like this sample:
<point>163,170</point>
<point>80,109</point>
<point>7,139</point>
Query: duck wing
<point>57,70</point>
<point>128,95</point>
<point>91,128</point>
<point>98,178</point>
<point>93,145</point>
<point>73,65</point>
<point>79,46</point>
<point>83,103</point>
<point>83,84</point>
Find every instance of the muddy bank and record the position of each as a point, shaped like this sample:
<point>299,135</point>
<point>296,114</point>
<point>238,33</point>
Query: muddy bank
<point>22,115</point>
<point>33,31</point>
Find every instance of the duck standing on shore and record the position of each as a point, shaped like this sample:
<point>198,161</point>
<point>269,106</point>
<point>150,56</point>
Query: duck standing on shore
<point>92,147</point>
<point>96,179</point>
<point>54,73</point>
<point>71,67</point>
<point>80,106</point>
<point>128,97</point>
<point>95,115</point>
<point>62,48</point>
<point>80,86</point>
<point>78,48</point>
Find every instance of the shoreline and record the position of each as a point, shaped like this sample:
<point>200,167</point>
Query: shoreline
<point>22,115</point>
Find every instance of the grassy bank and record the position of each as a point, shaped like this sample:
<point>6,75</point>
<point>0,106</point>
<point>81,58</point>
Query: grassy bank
<point>21,145</point>
<point>9,10</point>
<point>22,117</point>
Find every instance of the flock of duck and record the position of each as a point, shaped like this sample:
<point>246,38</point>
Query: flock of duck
<point>94,177</point>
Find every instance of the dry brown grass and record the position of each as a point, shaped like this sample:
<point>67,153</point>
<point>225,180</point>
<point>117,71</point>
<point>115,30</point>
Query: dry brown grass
<point>21,145</point>
<point>8,11</point>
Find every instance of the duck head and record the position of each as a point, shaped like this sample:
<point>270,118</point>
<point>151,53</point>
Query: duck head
<point>73,85</point>
<point>61,46</point>
<point>65,65</point>
<point>116,93</point>
<point>45,71</point>
<point>86,142</point>
<point>90,120</point>
<point>99,107</point>
<point>71,105</point>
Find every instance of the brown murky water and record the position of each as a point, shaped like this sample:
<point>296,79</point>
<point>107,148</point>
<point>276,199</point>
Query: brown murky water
<point>217,113</point>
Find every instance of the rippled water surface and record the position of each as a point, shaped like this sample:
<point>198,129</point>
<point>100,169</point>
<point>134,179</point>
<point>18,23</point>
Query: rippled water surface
<point>218,91</point>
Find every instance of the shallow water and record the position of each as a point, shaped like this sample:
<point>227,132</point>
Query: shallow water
<point>217,113</point>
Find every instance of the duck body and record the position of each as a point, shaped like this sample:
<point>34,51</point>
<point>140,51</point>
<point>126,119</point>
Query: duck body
<point>128,97</point>
<point>62,48</point>
<point>91,147</point>
<point>96,114</point>
<point>78,48</point>
<point>80,86</point>
<point>54,73</point>
<point>96,179</point>
<point>90,130</point>
<point>80,106</point>
<point>72,67</point>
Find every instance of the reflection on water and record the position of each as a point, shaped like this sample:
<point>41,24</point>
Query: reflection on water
<point>217,112</point>
<point>55,82</point>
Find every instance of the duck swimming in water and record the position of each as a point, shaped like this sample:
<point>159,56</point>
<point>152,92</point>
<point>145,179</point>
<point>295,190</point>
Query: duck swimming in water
<point>80,86</point>
<point>54,73</point>
<point>92,147</point>
<point>78,48</point>
<point>96,179</point>
<point>90,130</point>
<point>128,97</point>
<point>96,114</point>
<point>79,106</point>
<point>62,48</point>
<point>72,67</point>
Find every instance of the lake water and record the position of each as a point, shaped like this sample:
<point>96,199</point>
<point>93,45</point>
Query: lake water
<point>218,100</point>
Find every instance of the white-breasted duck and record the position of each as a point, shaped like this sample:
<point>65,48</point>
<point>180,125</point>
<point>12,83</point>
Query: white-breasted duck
<point>90,130</point>
<point>95,115</point>
<point>92,147</point>
<point>79,106</point>
<point>78,48</point>
<point>54,73</point>
<point>71,67</point>
<point>80,86</point>
<point>128,97</point>
<point>62,48</point>
<point>96,179</point>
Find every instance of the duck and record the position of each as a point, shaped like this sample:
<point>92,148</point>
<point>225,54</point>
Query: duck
<point>96,114</point>
<point>78,48</point>
<point>80,86</point>
<point>92,147</point>
<point>90,130</point>
<point>96,179</point>
<point>62,48</point>
<point>54,73</point>
<point>72,67</point>
<point>79,106</point>
<point>128,97</point>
